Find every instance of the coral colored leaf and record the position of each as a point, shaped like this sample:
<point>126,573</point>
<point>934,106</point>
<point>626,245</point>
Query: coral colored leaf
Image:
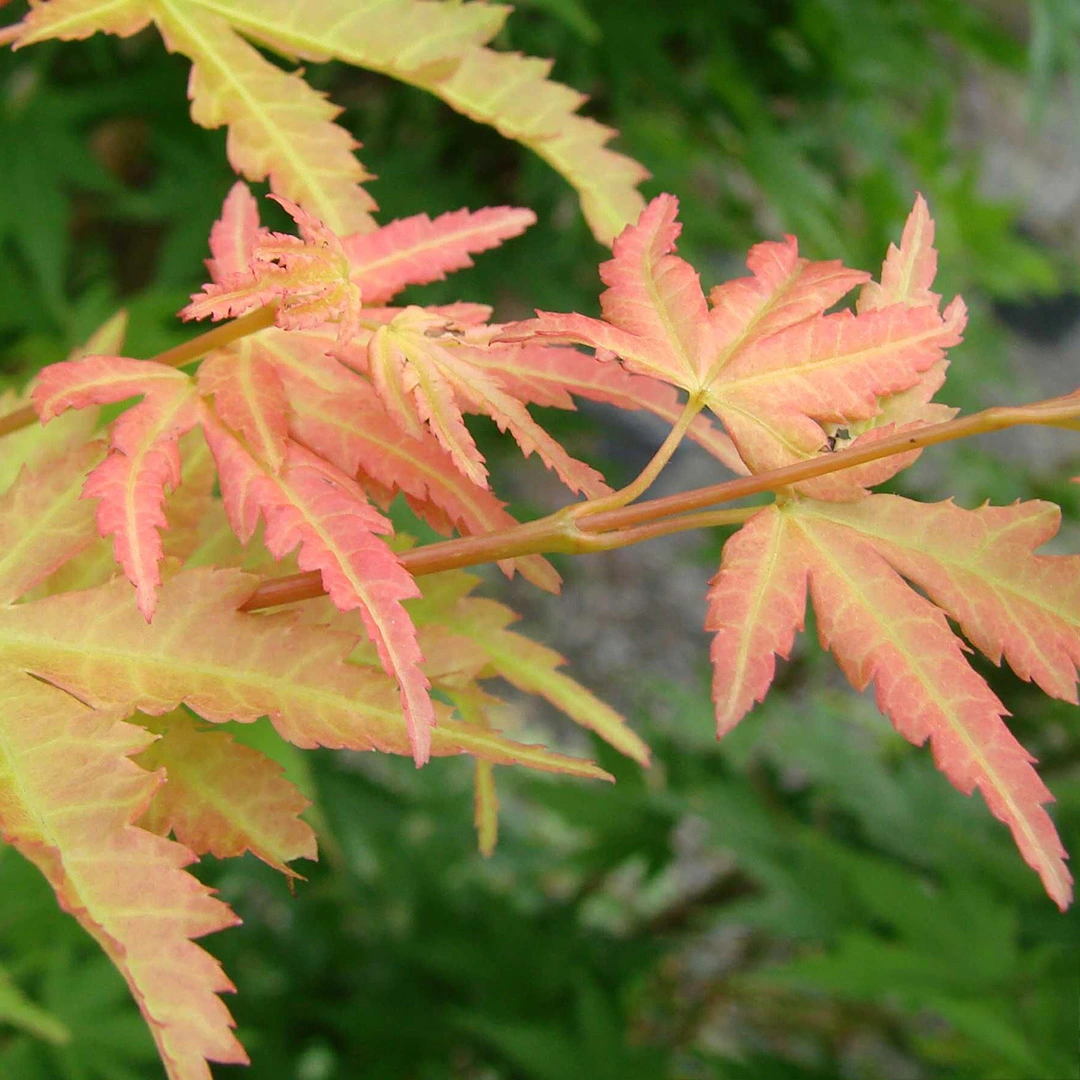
<point>882,631</point>
<point>980,567</point>
<point>977,567</point>
<point>417,250</point>
<point>319,508</point>
<point>249,398</point>
<point>223,798</point>
<point>43,521</point>
<point>417,366</point>
<point>124,885</point>
<point>233,235</point>
<point>766,358</point>
<point>757,602</point>
<point>338,416</point>
<point>227,665</point>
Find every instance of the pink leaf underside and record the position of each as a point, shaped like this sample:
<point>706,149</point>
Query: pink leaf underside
<point>124,885</point>
<point>881,630</point>
<point>417,250</point>
<point>549,375</point>
<point>435,377</point>
<point>233,235</point>
<point>43,520</point>
<point>908,270</point>
<point>249,398</point>
<point>980,567</point>
<point>337,414</point>
<point>223,798</point>
<point>227,665</point>
<point>316,506</point>
<point>757,602</point>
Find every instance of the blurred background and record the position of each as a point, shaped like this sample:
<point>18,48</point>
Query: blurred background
<point>806,899</point>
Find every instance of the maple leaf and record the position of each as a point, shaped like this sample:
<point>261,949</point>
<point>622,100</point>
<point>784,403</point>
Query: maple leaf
<point>978,567</point>
<point>224,664</point>
<point>313,505</point>
<point>308,276</point>
<point>761,353</point>
<point>222,798</point>
<point>427,370</point>
<point>125,886</point>
<point>881,630</point>
<point>422,374</point>
<point>279,127</point>
<point>144,458</point>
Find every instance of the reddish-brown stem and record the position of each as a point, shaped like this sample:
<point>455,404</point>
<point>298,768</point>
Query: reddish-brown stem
<point>219,336</point>
<point>1054,412</point>
<point>560,532</point>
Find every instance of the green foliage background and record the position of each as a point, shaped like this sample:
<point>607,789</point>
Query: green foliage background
<point>808,899</point>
